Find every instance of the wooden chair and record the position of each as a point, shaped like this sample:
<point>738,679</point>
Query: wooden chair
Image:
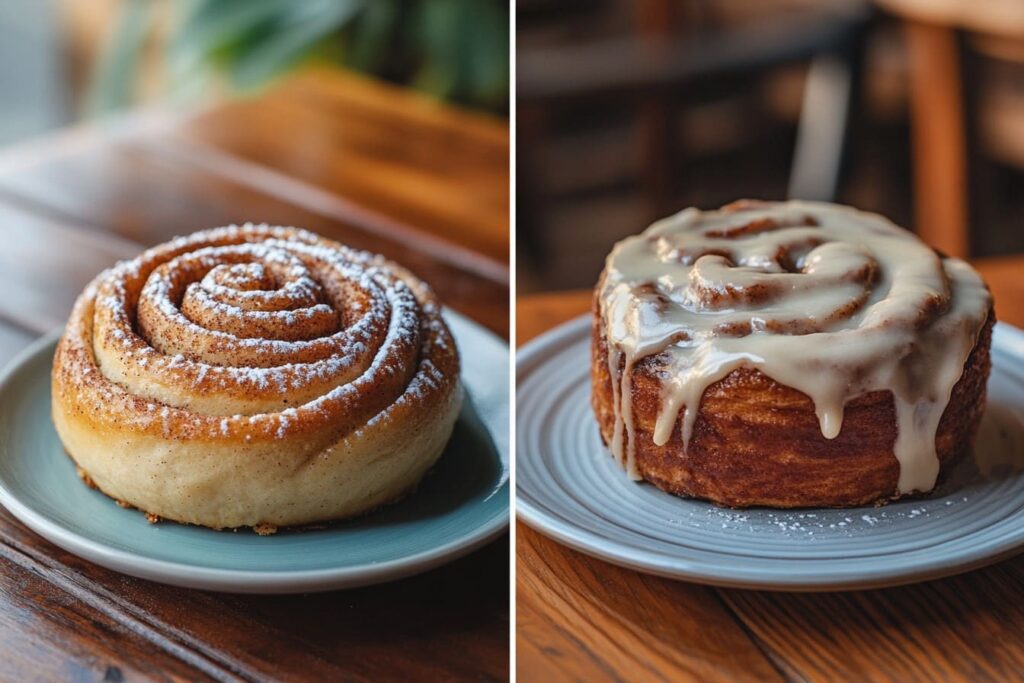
<point>944,40</point>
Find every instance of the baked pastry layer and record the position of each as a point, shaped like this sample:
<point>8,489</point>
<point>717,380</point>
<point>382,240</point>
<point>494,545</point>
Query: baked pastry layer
<point>255,376</point>
<point>788,354</point>
<point>758,442</point>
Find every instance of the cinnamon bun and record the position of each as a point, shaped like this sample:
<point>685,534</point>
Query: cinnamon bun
<point>788,354</point>
<point>255,376</point>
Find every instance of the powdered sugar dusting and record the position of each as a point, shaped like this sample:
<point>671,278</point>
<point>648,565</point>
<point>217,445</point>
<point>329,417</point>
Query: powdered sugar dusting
<point>815,525</point>
<point>337,327</point>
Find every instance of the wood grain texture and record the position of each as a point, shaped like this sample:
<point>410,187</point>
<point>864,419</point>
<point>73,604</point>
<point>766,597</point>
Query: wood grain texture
<point>76,203</point>
<point>417,629</point>
<point>964,628</point>
<point>441,170</point>
<point>579,618</point>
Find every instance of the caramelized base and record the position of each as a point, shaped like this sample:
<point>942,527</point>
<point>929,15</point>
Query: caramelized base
<point>758,443</point>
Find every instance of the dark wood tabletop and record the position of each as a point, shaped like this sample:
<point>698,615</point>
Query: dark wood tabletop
<point>582,619</point>
<point>367,164</point>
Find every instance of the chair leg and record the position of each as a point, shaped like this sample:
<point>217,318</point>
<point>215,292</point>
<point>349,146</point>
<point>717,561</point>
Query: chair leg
<point>938,137</point>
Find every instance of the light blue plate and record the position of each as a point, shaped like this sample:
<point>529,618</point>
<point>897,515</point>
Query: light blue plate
<point>569,487</point>
<point>462,503</point>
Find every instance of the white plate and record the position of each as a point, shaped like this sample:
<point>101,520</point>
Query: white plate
<point>569,488</point>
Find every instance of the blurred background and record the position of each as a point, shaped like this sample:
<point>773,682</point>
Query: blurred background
<point>398,108</point>
<point>629,110</point>
<point>65,60</point>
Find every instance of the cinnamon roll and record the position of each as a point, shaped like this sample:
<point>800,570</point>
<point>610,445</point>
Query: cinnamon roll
<point>788,354</point>
<point>255,376</point>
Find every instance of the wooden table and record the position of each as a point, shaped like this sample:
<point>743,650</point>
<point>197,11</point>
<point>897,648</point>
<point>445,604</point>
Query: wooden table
<point>582,619</point>
<point>365,163</point>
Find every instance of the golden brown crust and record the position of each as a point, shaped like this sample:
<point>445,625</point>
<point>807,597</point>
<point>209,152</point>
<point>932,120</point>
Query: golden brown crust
<point>255,376</point>
<point>758,442</point>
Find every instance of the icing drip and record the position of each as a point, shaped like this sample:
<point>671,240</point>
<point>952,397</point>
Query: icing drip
<point>825,299</point>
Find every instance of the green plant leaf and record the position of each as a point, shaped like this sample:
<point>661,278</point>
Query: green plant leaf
<point>301,27</point>
<point>113,82</point>
<point>453,49</point>
<point>372,36</point>
<point>209,24</point>
<point>439,41</point>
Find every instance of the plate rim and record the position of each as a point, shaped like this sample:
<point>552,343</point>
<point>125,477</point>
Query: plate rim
<point>1006,338</point>
<point>242,580</point>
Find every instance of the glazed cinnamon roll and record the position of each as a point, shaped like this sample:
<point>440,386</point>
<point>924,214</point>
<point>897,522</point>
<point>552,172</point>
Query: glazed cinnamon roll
<point>255,376</point>
<point>788,354</point>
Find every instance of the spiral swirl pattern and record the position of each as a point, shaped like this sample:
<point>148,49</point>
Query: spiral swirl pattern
<point>788,273</point>
<point>266,336</point>
<point>833,302</point>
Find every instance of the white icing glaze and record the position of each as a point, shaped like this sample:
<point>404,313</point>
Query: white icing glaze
<point>828,300</point>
